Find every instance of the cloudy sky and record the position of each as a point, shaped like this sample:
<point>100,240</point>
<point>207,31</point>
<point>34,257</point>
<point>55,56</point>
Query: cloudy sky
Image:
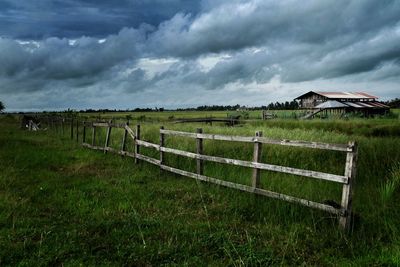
<point>59,54</point>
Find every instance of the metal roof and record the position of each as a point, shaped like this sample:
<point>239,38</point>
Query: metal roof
<point>331,104</point>
<point>341,95</point>
<point>369,104</point>
<point>347,95</point>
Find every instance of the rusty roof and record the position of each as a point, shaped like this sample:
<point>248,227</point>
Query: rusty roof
<point>341,95</point>
<point>354,95</point>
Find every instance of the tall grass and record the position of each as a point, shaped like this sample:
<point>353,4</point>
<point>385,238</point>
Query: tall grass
<point>61,204</point>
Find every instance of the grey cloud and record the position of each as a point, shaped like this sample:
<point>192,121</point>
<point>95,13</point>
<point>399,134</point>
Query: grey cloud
<point>233,26</point>
<point>59,59</point>
<point>75,18</point>
<point>287,40</point>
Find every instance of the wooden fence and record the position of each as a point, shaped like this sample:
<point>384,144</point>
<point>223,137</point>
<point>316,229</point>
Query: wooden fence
<point>347,179</point>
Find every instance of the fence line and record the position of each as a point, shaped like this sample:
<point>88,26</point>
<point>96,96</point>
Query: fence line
<point>344,211</point>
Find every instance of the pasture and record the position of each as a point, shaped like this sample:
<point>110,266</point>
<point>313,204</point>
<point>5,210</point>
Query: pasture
<point>62,204</point>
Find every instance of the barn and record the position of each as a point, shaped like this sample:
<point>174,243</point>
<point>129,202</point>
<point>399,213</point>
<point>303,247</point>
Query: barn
<point>341,102</point>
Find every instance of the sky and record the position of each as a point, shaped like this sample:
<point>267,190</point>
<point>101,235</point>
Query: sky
<point>81,54</point>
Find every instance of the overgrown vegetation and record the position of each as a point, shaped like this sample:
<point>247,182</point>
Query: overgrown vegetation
<point>2,107</point>
<point>61,204</point>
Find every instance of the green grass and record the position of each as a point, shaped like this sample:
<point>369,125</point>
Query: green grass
<point>61,204</point>
<point>174,115</point>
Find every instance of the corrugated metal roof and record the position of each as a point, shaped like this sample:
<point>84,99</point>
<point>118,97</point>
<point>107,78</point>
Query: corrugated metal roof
<point>369,104</point>
<point>331,104</point>
<point>378,104</point>
<point>347,95</point>
<point>353,104</point>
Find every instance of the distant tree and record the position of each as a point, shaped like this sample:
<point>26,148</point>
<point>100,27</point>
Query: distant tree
<point>394,103</point>
<point>2,107</point>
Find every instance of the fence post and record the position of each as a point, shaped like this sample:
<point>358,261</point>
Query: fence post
<point>84,132</point>
<point>93,134</point>
<point>199,151</point>
<point>162,143</point>
<point>62,126</point>
<point>123,146</point>
<point>137,146</point>
<point>347,193</point>
<point>77,130</point>
<point>107,137</point>
<point>256,158</point>
<point>72,128</point>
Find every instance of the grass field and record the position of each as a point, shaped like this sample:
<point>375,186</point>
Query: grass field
<point>61,204</point>
<point>173,115</point>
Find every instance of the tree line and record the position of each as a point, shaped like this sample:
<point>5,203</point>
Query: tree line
<point>273,106</point>
<point>292,105</point>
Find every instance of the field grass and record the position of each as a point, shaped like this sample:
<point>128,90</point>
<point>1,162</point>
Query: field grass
<point>61,204</point>
<point>174,115</point>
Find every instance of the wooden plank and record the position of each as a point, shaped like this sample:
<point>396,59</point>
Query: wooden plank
<point>347,191</point>
<point>258,191</point>
<point>248,139</point>
<point>263,166</point>
<point>305,144</point>
<point>148,159</point>
<point>108,124</point>
<point>109,149</point>
<point>93,147</point>
<point>123,145</point>
<point>127,154</point>
<point>107,138</point>
<point>137,146</point>
<point>100,124</point>
<point>148,144</point>
<point>255,182</point>
<point>199,151</point>
<point>130,132</point>
<point>162,143</point>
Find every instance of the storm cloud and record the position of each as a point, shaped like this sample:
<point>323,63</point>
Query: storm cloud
<point>84,54</point>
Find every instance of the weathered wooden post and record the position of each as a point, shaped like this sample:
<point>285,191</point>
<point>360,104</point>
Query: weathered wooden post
<point>256,158</point>
<point>347,193</point>
<point>137,146</point>
<point>72,128</point>
<point>93,134</point>
<point>84,132</point>
<point>123,146</point>
<point>162,143</point>
<point>199,151</point>
<point>77,130</point>
<point>108,136</point>
<point>62,126</point>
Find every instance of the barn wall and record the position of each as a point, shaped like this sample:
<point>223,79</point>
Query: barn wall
<point>311,101</point>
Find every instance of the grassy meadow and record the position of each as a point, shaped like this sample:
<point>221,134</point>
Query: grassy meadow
<point>65,205</point>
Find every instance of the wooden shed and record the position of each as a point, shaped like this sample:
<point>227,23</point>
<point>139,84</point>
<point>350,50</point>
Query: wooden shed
<point>341,102</point>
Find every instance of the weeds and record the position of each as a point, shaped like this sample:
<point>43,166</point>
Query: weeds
<point>61,204</point>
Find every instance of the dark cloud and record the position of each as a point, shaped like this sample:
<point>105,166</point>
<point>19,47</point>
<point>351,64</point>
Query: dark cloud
<point>55,59</point>
<point>79,51</point>
<point>75,18</point>
<point>236,26</point>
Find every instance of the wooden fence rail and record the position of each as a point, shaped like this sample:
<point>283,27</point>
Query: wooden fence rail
<point>347,179</point>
